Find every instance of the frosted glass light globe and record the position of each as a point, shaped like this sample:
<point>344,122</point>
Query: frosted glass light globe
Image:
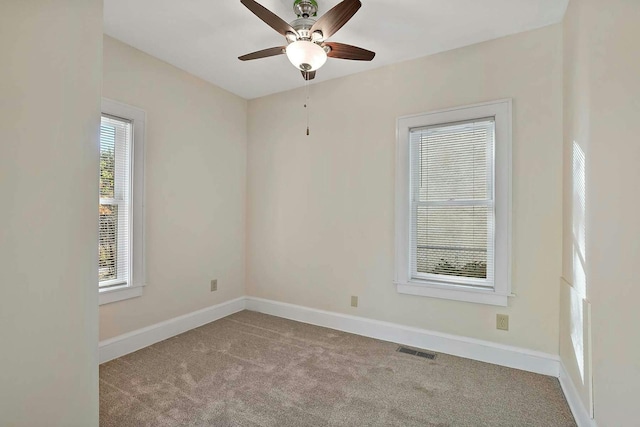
<point>306,56</point>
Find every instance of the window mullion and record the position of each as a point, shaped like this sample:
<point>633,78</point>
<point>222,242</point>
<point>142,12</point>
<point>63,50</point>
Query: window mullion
<point>110,201</point>
<point>479,202</point>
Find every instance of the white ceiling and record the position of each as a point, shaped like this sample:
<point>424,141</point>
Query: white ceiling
<point>205,37</point>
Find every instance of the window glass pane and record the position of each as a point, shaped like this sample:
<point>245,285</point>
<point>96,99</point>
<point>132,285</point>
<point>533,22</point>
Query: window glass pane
<point>108,243</point>
<point>452,240</point>
<point>107,160</point>
<point>452,186</point>
<point>453,161</point>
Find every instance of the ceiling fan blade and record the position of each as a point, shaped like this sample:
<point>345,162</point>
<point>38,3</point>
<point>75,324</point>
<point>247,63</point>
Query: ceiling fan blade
<point>269,17</point>
<point>345,51</point>
<point>335,18</point>
<point>265,53</point>
<point>308,75</point>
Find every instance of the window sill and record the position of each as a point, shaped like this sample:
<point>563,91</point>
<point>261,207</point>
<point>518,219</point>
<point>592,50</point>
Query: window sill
<point>109,295</point>
<point>478,296</point>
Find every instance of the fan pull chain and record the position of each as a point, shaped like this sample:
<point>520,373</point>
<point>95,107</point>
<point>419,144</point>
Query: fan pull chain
<point>306,105</point>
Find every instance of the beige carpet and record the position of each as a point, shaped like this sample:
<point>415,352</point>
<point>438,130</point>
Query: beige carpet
<point>251,369</point>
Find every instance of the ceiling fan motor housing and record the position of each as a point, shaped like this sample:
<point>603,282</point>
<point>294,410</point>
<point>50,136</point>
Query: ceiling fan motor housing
<point>303,27</point>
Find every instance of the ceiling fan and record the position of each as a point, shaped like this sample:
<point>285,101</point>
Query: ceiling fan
<point>307,48</point>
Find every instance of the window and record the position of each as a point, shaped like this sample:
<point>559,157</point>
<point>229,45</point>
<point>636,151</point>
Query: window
<point>120,245</point>
<point>453,204</point>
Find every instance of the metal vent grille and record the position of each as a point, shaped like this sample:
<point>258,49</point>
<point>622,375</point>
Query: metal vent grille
<point>413,352</point>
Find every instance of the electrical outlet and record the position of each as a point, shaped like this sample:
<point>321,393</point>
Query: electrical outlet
<point>354,301</point>
<point>502,322</point>
<point>214,285</point>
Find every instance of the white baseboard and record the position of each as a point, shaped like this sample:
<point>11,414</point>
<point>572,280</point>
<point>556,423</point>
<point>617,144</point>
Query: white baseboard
<point>128,343</point>
<point>580,413</point>
<point>484,351</point>
<point>470,348</point>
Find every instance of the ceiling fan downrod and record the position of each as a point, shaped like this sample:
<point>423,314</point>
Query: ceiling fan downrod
<point>305,8</point>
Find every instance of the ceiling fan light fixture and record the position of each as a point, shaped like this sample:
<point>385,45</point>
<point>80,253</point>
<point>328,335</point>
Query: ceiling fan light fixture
<point>306,55</point>
<point>291,37</point>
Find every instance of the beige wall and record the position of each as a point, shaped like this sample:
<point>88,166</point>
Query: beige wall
<point>49,108</point>
<point>602,107</point>
<point>195,188</point>
<point>320,208</point>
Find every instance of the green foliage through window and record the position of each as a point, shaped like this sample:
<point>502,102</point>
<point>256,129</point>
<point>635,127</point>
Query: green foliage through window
<point>108,231</point>
<point>474,269</point>
<point>107,161</point>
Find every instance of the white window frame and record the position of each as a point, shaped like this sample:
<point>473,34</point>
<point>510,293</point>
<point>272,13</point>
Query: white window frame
<point>133,287</point>
<point>404,282</point>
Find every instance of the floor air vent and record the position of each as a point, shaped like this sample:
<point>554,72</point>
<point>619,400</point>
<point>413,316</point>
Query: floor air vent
<point>413,352</point>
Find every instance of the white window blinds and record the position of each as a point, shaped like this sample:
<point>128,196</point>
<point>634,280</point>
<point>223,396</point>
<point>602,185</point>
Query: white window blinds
<point>114,205</point>
<point>452,203</point>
